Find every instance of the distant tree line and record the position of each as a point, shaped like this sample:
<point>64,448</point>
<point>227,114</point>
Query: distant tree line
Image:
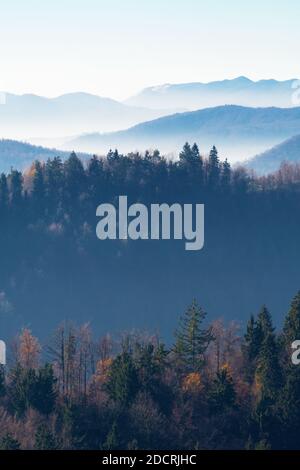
<point>48,188</point>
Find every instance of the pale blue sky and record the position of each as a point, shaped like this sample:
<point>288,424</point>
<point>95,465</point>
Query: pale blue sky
<point>116,47</point>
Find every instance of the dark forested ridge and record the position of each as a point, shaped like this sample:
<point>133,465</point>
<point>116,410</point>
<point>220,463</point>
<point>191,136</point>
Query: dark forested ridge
<point>53,267</point>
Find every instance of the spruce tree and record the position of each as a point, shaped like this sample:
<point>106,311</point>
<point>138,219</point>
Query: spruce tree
<point>268,372</point>
<point>191,339</point>
<point>291,328</point>
<point>264,323</point>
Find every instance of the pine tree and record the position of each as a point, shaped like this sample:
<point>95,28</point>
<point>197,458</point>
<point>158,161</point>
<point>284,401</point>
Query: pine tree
<point>192,340</point>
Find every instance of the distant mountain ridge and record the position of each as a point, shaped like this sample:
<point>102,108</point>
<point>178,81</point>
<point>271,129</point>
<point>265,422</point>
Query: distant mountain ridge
<point>270,160</point>
<point>239,132</point>
<point>31,116</point>
<point>239,91</point>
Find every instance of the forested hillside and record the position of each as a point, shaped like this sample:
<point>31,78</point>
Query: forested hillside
<point>53,267</point>
<point>213,387</point>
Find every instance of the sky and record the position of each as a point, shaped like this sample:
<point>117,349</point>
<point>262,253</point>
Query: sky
<point>117,47</point>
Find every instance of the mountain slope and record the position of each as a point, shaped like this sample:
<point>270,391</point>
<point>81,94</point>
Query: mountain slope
<point>20,155</point>
<point>239,91</point>
<point>30,116</point>
<point>270,160</point>
<point>238,131</point>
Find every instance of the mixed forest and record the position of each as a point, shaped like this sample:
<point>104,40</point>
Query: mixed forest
<point>147,374</point>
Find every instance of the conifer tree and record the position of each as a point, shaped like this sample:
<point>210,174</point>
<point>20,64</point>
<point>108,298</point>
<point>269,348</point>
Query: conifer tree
<point>187,154</point>
<point>226,175</point>
<point>191,339</point>
<point>213,168</point>
<point>264,323</point>
<point>16,188</point>
<point>122,384</point>
<point>95,177</point>
<point>54,182</point>
<point>222,394</point>
<point>250,349</point>
<point>291,328</point>
<point>75,178</point>
<point>268,373</point>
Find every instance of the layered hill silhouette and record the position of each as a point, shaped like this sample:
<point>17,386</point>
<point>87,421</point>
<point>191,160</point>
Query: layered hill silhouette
<point>239,132</point>
<point>240,91</point>
<point>31,116</point>
<point>270,160</point>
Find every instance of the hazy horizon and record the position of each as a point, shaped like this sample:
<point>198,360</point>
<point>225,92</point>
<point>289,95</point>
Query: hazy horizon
<point>147,86</point>
<point>50,49</point>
